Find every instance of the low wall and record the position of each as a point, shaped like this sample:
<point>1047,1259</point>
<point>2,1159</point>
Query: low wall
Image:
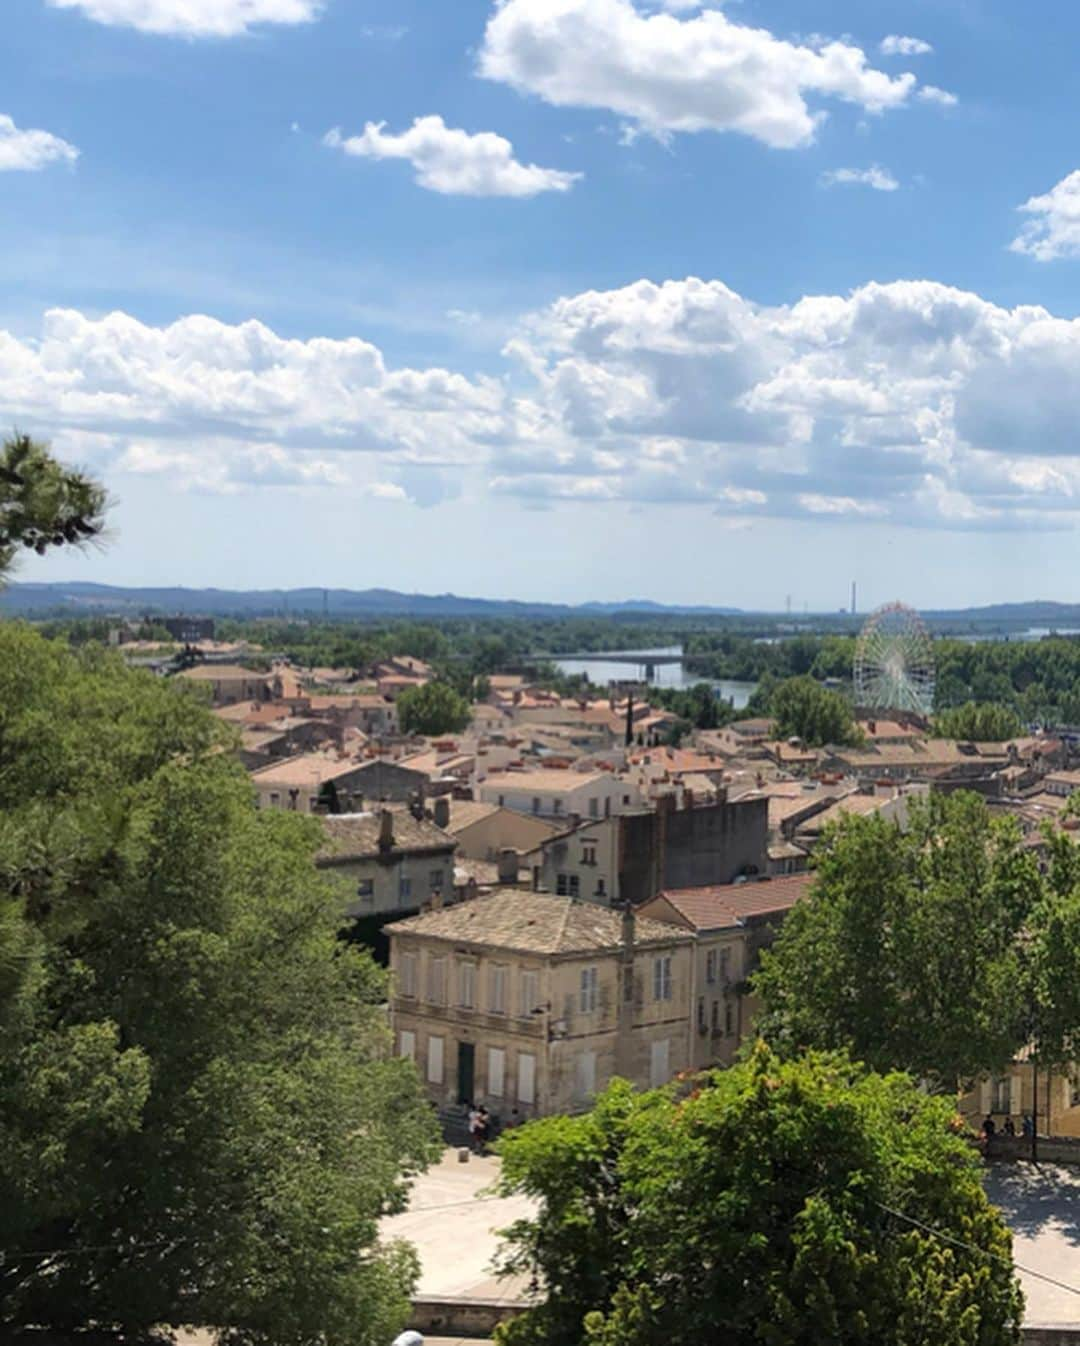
<point>1050,1334</point>
<point>1051,1149</point>
<point>440,1315</point>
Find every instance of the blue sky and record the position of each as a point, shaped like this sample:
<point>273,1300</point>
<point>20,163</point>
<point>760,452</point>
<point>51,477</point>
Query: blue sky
<point>556,299</point>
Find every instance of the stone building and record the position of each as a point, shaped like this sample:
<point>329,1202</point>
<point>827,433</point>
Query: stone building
<point>531,1003</point>
<point>632,857</point>
<point>732,923</point>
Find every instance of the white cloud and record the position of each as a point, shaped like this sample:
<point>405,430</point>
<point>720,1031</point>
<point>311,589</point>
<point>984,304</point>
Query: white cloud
<point>669,74</point>
<point>893,45</point>
<point>194,18</point>
<point>31,150</point>
<point>1054,227</point>
<point>385,490</point>
<point>930,93</point>
<point>223,468</point>
<point>908,403</point>
<point>454,162</point>
<point>879,178</point>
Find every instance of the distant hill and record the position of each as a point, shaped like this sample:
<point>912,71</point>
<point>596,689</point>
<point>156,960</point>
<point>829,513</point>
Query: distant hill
<point>82,599</point>
<point>86,600</point>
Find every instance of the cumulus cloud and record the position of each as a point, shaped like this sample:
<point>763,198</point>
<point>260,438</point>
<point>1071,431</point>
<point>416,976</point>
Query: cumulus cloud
<point>907,403</point>
<point>667,73</point>
<point>930,93</point>
<point>454,162</point>
<point>30,150</point>
<point>193,18</point>
<point>879,178</point>
<point>911,403</point>
<point>893,45</point>
<point>1054,227</point>
<point>224,468</point>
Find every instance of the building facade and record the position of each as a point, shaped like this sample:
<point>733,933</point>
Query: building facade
<point>393,862</point>
<point>559,793</point>
<point>632,857</point>
<point>531,1003</point>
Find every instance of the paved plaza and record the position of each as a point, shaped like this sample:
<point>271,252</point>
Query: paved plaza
<point>453,1226</point>
<point>1041,1204</point>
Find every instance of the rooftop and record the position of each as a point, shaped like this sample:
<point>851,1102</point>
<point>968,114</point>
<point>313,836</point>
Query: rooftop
<point>306,769</point>
<point>221,672</point>
<point>355,836</point>
<point>534,923</point>
<point>732,904</point>
<point>543,782</point>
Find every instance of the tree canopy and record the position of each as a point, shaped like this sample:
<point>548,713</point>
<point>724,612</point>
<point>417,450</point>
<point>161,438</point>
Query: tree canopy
<point>988,723</point>
<point>42,503</point>
<point>907,949</point>
<point>806,710</point>
<point>434,708</point>
<point>787,1202</point>
<point>200,1118</point>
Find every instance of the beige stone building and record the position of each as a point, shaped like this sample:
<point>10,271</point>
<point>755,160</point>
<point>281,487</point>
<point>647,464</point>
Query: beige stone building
<point>485,830</point>
<point>559,793</point>
<point>297,783</point>
<point>394,862</point>
<point>1012,1095</point>
<point>732,924</point>
<point>531,1003</point>
<point>229,683</point>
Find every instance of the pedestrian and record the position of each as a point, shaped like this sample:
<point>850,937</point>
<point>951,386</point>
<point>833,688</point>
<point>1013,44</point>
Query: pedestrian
<point>483,1129</point>
<point>1010,1127</point>
<point>989,1130</point>
<point>1027,1128</point>
<point>474,1127</point>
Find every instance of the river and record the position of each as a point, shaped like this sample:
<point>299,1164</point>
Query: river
<point>666,675</point>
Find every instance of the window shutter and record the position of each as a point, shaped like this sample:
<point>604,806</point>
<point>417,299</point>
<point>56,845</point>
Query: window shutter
<point>1014,1095</point>
<point>496,1071</point>
<point>984,1096</point>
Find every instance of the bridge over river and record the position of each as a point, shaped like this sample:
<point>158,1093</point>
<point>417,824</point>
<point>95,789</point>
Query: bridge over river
<point>646,661</point>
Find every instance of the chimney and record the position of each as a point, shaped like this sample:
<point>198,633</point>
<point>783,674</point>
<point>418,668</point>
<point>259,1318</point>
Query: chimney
<point>441,813</point>
<point>436,900</point>
<point>386,830</point>
<point>508,867</point>
<point>629,928</point>
<point>688,799</point>
<point>416,806</point>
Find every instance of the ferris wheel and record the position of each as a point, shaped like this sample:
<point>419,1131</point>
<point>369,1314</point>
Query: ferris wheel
<point>894,662</point>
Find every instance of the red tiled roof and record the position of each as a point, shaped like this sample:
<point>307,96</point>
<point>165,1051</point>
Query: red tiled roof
<point>727,904</point>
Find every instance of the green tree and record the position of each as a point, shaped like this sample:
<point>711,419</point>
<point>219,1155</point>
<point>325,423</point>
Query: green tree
<point>780,1202</point>
<point>200,1118</point>
<point>434,708</point>
<point>987,723</point>
<point>907,949</point>
<point>804,709</point>
<point>42,503</point>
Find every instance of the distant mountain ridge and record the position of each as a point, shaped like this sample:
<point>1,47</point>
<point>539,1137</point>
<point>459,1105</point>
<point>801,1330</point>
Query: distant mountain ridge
<point>85,599</point>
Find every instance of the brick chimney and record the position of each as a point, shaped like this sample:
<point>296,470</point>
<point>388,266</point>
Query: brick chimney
<point>508,867</point>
